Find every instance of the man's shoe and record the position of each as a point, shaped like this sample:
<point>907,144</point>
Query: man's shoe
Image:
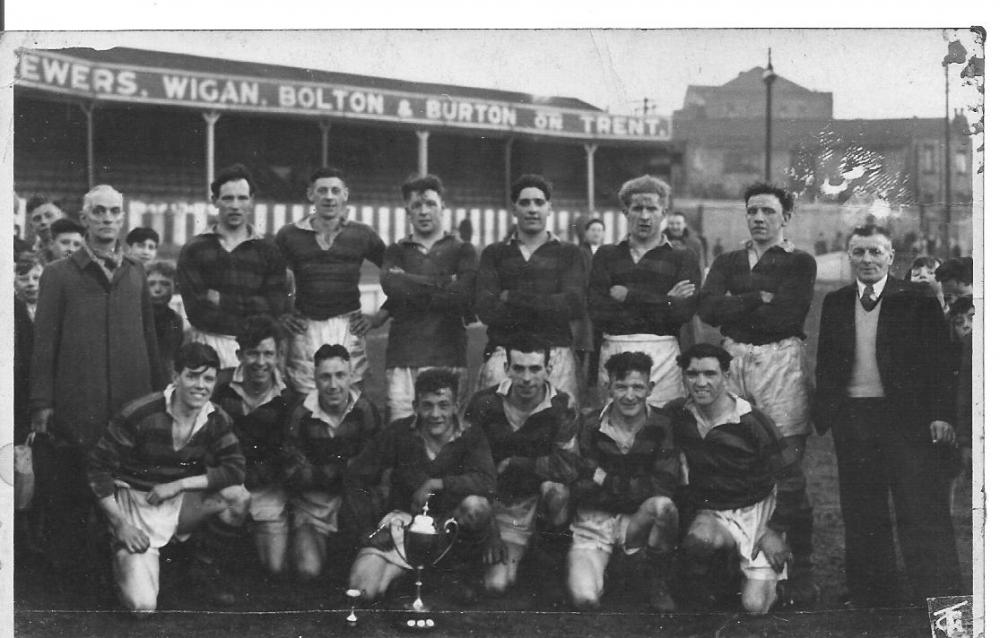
<point>798,593</point>
<point>660,565</point>
<point>208,582</point>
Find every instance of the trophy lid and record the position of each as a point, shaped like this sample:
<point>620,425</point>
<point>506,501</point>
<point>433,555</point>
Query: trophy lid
<point>423,523</point>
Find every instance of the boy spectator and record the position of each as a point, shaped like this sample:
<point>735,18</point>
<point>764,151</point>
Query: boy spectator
<point>229,272</point>
<point>530,283</point>
<point>922,270</point>
<point>955,279</point>
<point>325,432</point>
<point>434,460</point>
<point>532,431</point>
<point>759,297</point>
<point>428,278</point>
<point>256,399</point>
<point>628,473</point>
<point>141,243</point>
<point>734,455</point>
<point>169,325</point>
<point>67,238</point>
<point>644,289</point>
<point>42,212</point>
<point>27,275</point>
<point>167,466</point>
<point>325,252</point>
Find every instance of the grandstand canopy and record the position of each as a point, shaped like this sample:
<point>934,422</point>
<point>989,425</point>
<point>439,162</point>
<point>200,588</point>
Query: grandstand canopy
<point>112,85</point>
<point>151,77</point>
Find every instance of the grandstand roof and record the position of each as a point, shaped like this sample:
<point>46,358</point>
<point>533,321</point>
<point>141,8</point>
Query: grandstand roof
<point>197,63</point>
<point>137,76</point>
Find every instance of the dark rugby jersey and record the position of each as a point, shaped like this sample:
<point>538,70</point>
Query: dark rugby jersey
<point>544,448</point>
<point>731,300</point>
<point>427,303</point>
<point>250,280</point>
<point>463,464</point>
<point>650,467</point>
<point>646,309</point>
<point>138,448</point>
<point>545,292</point>
<point>326,281</point>
<point>735,464</point>
<point>261,431</point>
<point>315,453</point>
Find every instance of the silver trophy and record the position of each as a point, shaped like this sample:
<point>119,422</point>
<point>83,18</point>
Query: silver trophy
<point>422,541</point>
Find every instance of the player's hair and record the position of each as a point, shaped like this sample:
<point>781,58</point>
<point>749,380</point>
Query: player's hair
<point>678,213</point>
<point>27,261</point>
<point>35,201</point>
<point>66,226</point>
<point>923,262</point>
<point>195,356</point>
<point>642,185</point>
<point>704,351</point>
<point>530,180</point>
<point>430,381</point>
<point>257,328</point>
<point>961,306</point>
<point>326,171</point>
<point>785,197</point>
<point>422,183</point>
<point>591,222</point>
<point>142,234</point>
<point>88,199</point>
<point>528,343</point>
<point>233,173</point>
<point>326,351</point>
<point>619,365</point>
<point>958,269</point>
<point>163,267</point>
<point>869,230</point>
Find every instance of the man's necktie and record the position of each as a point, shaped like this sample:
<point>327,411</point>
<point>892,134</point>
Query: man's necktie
<point>868,299</point>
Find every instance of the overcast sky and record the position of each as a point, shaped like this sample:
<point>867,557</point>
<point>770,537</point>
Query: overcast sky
<point>872,73</point>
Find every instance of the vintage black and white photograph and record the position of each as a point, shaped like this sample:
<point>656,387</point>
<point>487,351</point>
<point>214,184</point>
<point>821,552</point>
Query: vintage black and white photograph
<point>495,332</point>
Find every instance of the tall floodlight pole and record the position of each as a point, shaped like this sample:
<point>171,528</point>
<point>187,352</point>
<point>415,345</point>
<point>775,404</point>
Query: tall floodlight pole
<point>768,77</point>
<point>946,234</point>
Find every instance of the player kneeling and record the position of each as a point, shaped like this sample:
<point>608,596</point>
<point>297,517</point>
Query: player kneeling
<point>735,456</point>
<point>429,454</point>
<point>169,465</point>
<point>628,473</point>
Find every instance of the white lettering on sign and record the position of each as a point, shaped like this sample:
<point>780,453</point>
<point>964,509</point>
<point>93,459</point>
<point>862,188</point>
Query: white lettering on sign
<point>548,121</point>
<point>620,125</point>
<point>470,112</point>
<point>318,98</point>
<point>182,87</point>
<point>76,76</point>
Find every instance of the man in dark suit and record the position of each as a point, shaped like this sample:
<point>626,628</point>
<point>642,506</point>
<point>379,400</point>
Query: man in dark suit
<point>882,389</point>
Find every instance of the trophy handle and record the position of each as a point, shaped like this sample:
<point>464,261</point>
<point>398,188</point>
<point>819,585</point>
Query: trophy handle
<point>395,543</point>
<point>450,527</point>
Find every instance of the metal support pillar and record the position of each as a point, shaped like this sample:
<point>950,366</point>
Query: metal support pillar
<point>211,117</point>
<point>422,137</point>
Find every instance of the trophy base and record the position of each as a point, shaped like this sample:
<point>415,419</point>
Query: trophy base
<point>418,621</point>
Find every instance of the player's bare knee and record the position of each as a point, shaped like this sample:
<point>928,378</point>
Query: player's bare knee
<point>138,602</point>
<point>474,512</point>
<point>497,581</point>
<point>757,600</point>
<point>661,508</point>
<point>584,599</point>
<point>699,546</point>
<point>308,569</point>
